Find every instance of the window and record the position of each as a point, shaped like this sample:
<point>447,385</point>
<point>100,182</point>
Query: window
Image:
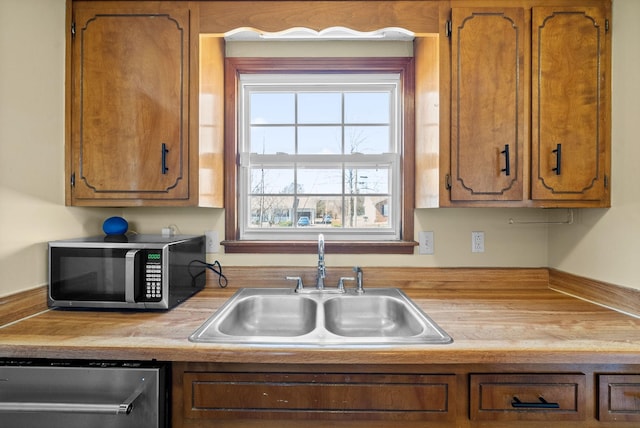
<point>319,153</point>
<point>318,148</point>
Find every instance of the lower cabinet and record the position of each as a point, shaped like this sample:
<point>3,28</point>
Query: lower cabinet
<point>330,396</point>
<point>619,398</point>
<point>527,397</point>
<point>501,396</point>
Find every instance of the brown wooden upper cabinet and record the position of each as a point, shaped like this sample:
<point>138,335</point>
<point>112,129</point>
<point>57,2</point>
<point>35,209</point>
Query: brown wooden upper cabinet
<point>570,147</point>
<point>130,141</point>
<point>512,104</point>
<point>487,115</point>
<point>529,108</point>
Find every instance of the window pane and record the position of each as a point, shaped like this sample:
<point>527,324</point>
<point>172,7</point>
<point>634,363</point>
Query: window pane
<point>367,139</point>
<point>272,180</point>
<point>315,140</point>
<point>366,212</point>
<point>271,211</point>
<point>319,107</point>
<point>272,108</point>
<point>367,181</point>
<point>367,107</point>
<point>328,211</point>
<point>273,139</point>
<point>317,181</point>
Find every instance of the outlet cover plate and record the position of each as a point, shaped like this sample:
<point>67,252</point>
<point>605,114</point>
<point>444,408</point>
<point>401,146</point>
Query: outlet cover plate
<point>212,244</point>
<point>477,242</point>
<point>425,241</point>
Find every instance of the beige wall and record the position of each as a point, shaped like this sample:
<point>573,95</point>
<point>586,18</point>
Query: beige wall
<point>32,209</point>
<point>605,244</point>
<point>505,244</point>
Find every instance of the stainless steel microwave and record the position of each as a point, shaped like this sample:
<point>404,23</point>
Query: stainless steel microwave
<point>125,272</point>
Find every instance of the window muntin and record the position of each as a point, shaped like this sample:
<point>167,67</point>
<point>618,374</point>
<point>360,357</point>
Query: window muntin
<point>325,147</point>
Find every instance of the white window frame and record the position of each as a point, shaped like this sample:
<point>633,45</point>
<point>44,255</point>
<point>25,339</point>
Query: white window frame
<point>388,81</point>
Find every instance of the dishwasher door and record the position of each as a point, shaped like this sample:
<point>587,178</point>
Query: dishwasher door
<point>59,394</point>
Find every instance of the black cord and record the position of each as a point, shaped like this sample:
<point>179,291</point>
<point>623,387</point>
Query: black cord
<point>222,280</point>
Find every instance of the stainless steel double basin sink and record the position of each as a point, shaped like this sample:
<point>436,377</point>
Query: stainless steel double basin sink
<point>284,317</point>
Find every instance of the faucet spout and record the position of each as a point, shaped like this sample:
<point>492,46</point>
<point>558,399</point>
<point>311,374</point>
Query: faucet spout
<point>359,282</point>
<point>321,266</point>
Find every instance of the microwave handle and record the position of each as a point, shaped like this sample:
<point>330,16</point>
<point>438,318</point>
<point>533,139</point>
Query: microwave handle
<point>130,276</point>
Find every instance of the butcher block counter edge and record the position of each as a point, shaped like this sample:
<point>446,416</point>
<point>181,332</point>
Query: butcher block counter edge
<point>494,316</point>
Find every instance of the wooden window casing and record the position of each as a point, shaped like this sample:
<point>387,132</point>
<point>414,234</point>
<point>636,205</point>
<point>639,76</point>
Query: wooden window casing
<point>236,66</point>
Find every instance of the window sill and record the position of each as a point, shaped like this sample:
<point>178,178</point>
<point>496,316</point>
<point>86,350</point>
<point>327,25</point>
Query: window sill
<point>311,247</point>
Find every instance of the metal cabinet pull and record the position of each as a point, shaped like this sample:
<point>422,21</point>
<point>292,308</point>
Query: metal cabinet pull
<point>164,158</point>
<point>558,152</point>
<point>123,408</point>
<point>507,161</point>
<point>542,404</point>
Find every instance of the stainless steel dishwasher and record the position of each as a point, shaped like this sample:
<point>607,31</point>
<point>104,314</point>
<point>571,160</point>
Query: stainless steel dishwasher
<point>70,394</point>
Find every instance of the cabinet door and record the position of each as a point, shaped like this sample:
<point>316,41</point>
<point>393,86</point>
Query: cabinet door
<point>488,104</point>
<point>569,123</point>
<point>619,397</point>
<point>399,399</point>
<point>527,397</point>
<point>130,102</point>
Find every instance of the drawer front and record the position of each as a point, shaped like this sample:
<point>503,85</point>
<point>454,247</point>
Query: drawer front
<point>318,396</point>
<point>619,398</point>
<point>509,397</point>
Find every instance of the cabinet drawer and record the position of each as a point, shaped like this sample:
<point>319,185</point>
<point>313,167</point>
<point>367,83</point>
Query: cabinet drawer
<point>329,396</point>
<point>527,397</point>
<point>619,398</point>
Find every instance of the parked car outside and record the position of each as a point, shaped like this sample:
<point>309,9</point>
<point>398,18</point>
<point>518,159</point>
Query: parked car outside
<point>304,221</point>
<point>327,219</point>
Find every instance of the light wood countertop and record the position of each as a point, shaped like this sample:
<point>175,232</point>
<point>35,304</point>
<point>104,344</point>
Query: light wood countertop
<point>528,324</point>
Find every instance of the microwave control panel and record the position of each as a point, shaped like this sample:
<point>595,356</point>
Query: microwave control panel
<point>153,276</point>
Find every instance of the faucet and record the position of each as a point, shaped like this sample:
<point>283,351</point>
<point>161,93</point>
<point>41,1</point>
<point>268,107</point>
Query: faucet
<point>321,275</point>
<point>359,279</point>
<point>321,267</point>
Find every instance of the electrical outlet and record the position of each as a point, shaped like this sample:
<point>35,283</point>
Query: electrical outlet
<point>212,245</point>
<point>425,240</point>
<point>477,242</point>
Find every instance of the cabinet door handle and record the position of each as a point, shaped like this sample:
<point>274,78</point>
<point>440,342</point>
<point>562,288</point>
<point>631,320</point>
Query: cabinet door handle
<point>122,408</point>
<point>507,161</point>
<point>164,158</point>
<point>542,404</point>
<point>558,152</point>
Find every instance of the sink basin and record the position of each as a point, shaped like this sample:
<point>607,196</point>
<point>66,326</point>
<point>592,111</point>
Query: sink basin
<point>282,317</point>
<point>285,316</point>
<point>370,316</point>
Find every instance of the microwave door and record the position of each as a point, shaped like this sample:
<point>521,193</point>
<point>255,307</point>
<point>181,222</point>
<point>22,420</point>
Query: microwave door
<point>130,276</point>
<point>87,274</point>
